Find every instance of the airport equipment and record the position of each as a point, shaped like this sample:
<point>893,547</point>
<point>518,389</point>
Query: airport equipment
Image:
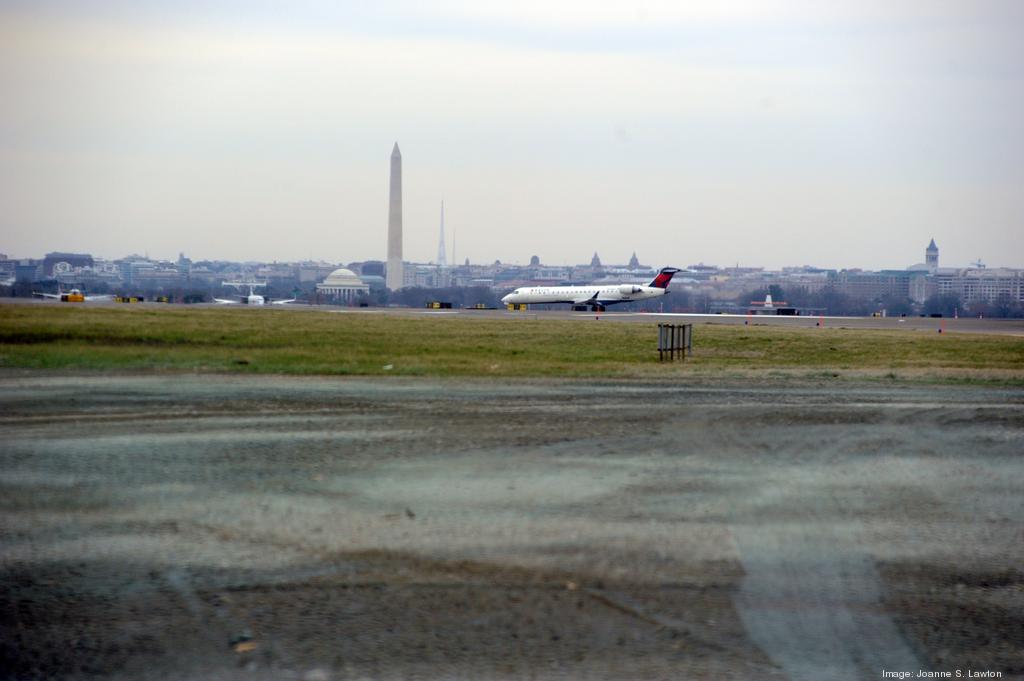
<point>439,305</point>
<point>674,340</point>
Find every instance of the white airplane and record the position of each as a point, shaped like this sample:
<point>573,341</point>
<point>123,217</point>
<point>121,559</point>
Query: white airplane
<point>252,298</point>
<point>72,296</point>
<point>594,297</point>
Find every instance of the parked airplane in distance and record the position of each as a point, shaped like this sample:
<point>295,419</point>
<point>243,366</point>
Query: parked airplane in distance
<point>594,297</point>
<point>252,298</point>
<point>768,304</point>
<point>72,296</point>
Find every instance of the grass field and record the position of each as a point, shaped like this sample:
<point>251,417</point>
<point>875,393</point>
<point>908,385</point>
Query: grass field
<point>311,342</point>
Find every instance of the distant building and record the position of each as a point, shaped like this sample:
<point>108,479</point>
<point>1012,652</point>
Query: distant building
<point>202,275</point>
<point>374,282</point>
<point>931,257</point>
<point>425,276</point>
<point>544,275</point>
<point>918,290</point>
<point>373,268</point>
<point>871,285</point>
<point>309,272</point>
<point>587,273</point>
<point>343,286</point>
<point>156,275</point>
<point>61,263</point>
<point>27,271</point>
<point>7,269</point>
<point>972,285</point>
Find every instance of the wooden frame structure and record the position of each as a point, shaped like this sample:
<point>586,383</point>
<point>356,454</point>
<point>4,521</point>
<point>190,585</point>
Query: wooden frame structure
<point>674,340</point>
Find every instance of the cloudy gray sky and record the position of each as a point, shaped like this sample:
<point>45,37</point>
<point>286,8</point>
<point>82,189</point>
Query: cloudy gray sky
<point>770,132</point>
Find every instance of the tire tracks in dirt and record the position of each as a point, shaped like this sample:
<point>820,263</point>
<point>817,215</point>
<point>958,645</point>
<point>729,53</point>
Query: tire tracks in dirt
<point>811,598</point>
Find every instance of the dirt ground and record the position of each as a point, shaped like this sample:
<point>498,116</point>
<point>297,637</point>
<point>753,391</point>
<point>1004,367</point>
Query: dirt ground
<point>213,527</point>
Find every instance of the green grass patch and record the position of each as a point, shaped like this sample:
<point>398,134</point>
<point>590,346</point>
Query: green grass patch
<point>313,342</point>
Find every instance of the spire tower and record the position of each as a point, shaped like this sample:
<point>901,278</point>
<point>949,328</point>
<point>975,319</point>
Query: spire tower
<point>931,256</point>
<point>442,258</point>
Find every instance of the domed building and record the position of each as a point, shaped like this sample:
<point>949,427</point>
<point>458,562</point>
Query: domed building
<point>343,286</point>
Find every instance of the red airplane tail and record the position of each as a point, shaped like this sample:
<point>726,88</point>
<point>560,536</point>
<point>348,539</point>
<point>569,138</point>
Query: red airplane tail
<point>664,276</point>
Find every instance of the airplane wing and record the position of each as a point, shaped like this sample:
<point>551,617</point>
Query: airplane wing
<point>46,295</point>
<point>224,301</point>
<point>102,297</point>
<point>592,300</point>
<point>283,302</point>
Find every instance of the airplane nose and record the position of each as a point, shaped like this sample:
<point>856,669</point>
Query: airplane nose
<point>506,299</point>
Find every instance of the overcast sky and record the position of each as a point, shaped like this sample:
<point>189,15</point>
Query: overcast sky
<point>763,132</point>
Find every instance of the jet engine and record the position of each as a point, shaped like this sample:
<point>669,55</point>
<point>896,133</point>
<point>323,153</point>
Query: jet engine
<point>627,290</point>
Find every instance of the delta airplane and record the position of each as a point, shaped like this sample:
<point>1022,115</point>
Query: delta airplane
<point>594,297</point>
<point>252,298</point>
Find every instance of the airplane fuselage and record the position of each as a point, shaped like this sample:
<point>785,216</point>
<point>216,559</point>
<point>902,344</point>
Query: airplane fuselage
<point>582,295</point>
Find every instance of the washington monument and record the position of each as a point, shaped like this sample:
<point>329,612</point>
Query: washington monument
<point>394,279</point>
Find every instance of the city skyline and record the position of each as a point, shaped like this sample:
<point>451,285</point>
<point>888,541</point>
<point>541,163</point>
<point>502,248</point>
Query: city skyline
<point>615,260</point>
<point>770,134</point>
<point>924,288</point>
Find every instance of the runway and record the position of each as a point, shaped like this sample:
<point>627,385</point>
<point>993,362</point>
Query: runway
<point>1012,327</point>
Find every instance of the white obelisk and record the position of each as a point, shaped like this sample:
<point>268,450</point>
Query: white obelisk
<point>394,278</point>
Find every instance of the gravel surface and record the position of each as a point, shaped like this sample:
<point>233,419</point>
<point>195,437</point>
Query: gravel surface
<point>215,527</point>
